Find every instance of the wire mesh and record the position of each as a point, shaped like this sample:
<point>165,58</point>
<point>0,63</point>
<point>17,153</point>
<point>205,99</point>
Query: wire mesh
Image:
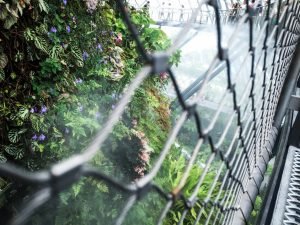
<point>269,54</point>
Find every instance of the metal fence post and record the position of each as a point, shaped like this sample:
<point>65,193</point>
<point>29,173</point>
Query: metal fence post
<point>288,88</point>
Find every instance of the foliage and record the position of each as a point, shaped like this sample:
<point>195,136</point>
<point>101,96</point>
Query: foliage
<point>255,211</point>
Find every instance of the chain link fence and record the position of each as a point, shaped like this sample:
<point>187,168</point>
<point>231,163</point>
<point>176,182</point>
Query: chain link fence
<point>239,167</point>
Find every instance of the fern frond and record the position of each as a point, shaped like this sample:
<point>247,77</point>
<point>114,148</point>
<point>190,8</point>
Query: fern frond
<point>43,6</point>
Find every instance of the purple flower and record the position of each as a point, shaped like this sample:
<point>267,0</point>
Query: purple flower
<point>78,81</point>
<point>42,137</point>
<point>44,109</point>
<point>68,29</point>
<point>85,55</point>
<point>99,47</point>
<point>65,2</point>
<point>34,137</point>
<point>33,110</point>
<point>53,30</point>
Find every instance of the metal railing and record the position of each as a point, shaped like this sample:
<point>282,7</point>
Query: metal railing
<point>177,17</point>
<point>240,167</point>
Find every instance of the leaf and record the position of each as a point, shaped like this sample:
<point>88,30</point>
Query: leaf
<point>37,122</point>
<point>20,153</point>
<point>3,159</point>
<point>64,197</point>
<point>43,6</point>
<point>11,150</point>
<point>41,44</point>
<point>13,75</point>
<point>57,133</point>
<point>76,189</point>
<point>3,60</point>
<point>23,113</point>
<point>9,21</point>
<point>3,13</point>
<point>13,136</point>
<point>20,8</point>
<point>59,19</point>
<point>37,147</point>
<point>29,35</point>
<point>77,54</point>
<point>13,12</point>
<point>2,75</point>
<point>194,214</point>
<point>42,29</point>
<point>56,50</point>
<point>102,187</point>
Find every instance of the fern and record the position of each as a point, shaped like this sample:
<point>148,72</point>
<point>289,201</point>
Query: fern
<point>42,29</point>
<point>76,188</point>
<point>29,34</point>
<point>102,187</point>
<point>77,54</point>
<point>43,6</point>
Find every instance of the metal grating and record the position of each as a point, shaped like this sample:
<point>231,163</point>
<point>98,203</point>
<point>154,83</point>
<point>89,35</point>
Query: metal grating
<point>288,199</point>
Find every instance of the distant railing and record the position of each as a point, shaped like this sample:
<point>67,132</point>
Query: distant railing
<point>171,16</point>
